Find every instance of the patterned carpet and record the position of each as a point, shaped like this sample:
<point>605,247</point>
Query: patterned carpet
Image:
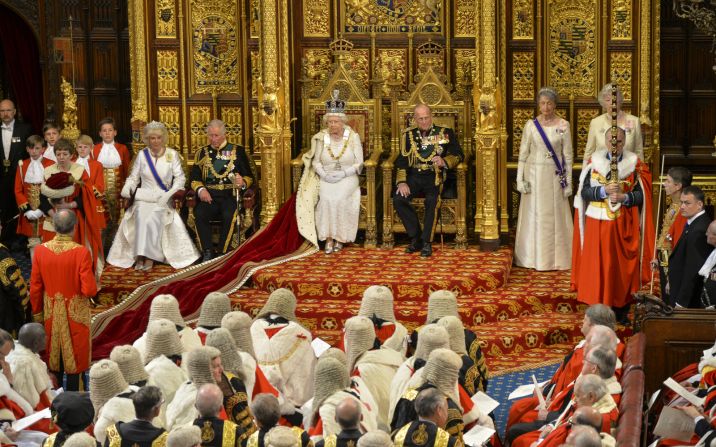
<point>524,318</point>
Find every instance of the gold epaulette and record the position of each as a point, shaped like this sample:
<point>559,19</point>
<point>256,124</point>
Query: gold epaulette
<point>411,394</point>
<point>410,129</point>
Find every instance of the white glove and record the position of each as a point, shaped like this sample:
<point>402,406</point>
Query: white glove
<point>126,191</point>
<point>524,187</point>
<point>321,172</point>
<point>567,191</point>
<point>166,197</point>
<point>351,170</point>
<point>39,214</point>
<point>30,215</point>
<point>335,176</point>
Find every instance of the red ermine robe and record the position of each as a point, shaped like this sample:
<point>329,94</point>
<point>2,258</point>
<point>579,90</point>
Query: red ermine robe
<point>61,283</point>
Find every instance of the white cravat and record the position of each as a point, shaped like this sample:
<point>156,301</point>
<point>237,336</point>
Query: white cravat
<point>7,138</point>
<point>35,172</point>
<point>82,161</point>
<point>109,156</point>
<point>708,265</point>
<point>50,153</point>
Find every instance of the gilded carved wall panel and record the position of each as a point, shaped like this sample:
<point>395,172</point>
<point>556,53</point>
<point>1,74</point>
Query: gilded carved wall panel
<point>165,19</point>
<point>317,66</point>
<point>621,20</point>
<point>364,16</point>
<point>316,18</point>
<point>520,115</point>
<point>523,75</point>
<point>167,74</point>
<point>255,73</point>
<point>393,63</point>
<point>254,19</point>
<point>233,117</point>
<point>199,117</point>
<point>523,19</point>
<point>215,45</point>
<point>170,116</point>
<point>465,18</point>
<point>584,117</point>
<point>357,60</point>
<point>620,67</point>
<point>572,46</point>
<point>464,61</point>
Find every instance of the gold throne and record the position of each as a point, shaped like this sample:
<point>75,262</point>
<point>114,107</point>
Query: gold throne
<point>430,88</point>
<point>364,116</point>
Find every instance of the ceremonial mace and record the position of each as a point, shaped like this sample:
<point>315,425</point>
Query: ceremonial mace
<point>237,195</point>
<point>656,235</point>
<point>614,162</point>
<point>439,151</point>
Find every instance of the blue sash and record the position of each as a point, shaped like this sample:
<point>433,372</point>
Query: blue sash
<point>559,165</point>
<point>153,169</point>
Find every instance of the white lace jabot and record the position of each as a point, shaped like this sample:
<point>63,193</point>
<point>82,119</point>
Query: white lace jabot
<point>109,156</point>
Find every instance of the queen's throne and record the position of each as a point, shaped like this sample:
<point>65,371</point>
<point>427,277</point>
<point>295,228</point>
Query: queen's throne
<point>363,116</point>
<point>430,88</point>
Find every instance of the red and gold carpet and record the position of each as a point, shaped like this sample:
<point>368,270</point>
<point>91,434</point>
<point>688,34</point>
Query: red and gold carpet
<point>524,318</point>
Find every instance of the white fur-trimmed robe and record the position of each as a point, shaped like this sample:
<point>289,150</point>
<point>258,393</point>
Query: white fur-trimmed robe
<point>30,375</point>
<point>377,368</point>
<point>327,412</point>
<point>181,410</point>
<point>286,359</point>
<point>399,384</point>
<point>166,375</point>
<point>114,410</point>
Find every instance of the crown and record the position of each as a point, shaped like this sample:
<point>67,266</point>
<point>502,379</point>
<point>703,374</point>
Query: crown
<point>430,49</point>
<point>335,105</point>
<point>340,47</point>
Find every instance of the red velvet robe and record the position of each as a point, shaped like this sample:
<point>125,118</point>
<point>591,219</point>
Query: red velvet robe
<point>23,195</point>
<point>614,260</point>
<point>96,181</point>
<point>61,283</point>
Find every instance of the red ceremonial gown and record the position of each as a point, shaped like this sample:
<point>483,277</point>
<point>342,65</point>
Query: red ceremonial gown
<point>615,248</point>
<point>61,283</point>
<point>27,196</point>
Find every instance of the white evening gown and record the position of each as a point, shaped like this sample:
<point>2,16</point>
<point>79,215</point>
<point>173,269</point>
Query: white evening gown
<point>544,225</point>
<point>338,207</point>
<point>151,227</point>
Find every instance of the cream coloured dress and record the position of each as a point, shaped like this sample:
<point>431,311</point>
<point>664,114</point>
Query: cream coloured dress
<point>151,227</point>
<point>338,207</point>
<point>544,225</point>
<point>598,128</point>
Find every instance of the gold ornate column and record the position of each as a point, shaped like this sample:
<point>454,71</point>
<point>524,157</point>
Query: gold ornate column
<point>488,129</point>
<point>138,62</point>
<point>273,135</point>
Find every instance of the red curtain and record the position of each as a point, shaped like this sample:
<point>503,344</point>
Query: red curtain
<point>22,66</point>
<point>279,238</point>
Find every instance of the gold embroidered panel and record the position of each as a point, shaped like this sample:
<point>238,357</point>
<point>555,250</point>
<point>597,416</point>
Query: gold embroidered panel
<point>316,18</point>
<point>232,118</point>
<point>523,19</point>
<point>584,118</point>
<point>621,19</point>
<point>167,74</point>
<point>464,61</point>
<point>620,67</point>
<point>519,117</point>
<point>386,16</point>
<point>392,66</point>
<point>215,46</point>
<point>523,76</point>
<point>317,66</point>
<point>170,116</point>
<point>572,46</point>
<point>165,19</point>
<point>200,117</point>
<point>465,18</point>
<point>357,60</point>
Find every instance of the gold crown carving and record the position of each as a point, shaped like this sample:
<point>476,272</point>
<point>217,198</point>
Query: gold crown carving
<point>335,105</point>
<point>341,46</point>
<point>430,49</point>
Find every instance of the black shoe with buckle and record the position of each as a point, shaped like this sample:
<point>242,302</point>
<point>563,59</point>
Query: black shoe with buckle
<point>414,246</point>
<point>207,256</point>
<point>427,250</point>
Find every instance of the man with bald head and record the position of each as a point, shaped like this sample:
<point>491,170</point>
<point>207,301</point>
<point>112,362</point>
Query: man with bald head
<point>348,415</point>
<point>220,170</point>
<point>31,379</point>
<point>428,157</point>
<point>14,134</point>
<point>215,431</point>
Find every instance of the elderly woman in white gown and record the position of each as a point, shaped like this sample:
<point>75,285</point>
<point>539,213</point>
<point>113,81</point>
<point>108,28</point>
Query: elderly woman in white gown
<point>151,229</point>
<point>544,177</point>
<point>331,173</point>
<point>598,126</point>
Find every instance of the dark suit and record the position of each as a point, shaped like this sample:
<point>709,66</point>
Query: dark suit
<point>137,433</point>
<point>8,167</point>
<point>689,255</point>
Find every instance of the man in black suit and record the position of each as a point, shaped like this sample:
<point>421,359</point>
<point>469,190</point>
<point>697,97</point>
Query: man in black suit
<point>14,134</point>
<point>685,283</point>
<point>140,432</point>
